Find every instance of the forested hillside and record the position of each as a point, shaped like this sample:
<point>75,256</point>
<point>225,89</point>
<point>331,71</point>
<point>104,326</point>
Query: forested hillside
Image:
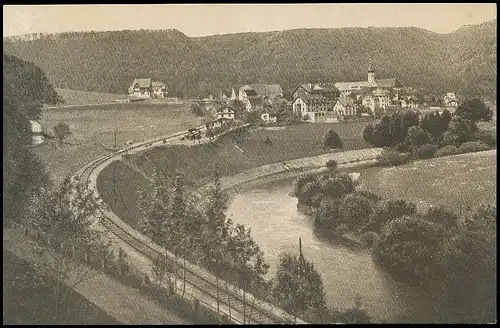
<point>463,61</point>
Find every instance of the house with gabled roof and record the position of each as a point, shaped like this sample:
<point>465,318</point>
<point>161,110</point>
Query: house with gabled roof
<point>315,101</point>
<point>269,116</point>
<point>146,88</point>
<point>344,106</point>
<point>225,112</point>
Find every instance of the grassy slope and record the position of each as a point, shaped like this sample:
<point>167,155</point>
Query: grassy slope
<point>459,182</point>
<point>93,126</point>
<point>29,309</point>
<point>196,163</point>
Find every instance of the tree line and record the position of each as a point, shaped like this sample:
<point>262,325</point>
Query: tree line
<point>406,135</point>
<point>195,66</point>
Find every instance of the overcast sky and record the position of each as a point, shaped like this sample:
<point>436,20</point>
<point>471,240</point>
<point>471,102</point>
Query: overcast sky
<point>209,19</point>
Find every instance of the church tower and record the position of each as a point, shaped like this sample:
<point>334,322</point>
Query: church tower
<point>371,73</point>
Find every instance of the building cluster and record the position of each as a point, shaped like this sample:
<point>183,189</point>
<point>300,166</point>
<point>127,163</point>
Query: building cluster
<point>313,102</point>
<point>331,102</point>
<point>147,88</point>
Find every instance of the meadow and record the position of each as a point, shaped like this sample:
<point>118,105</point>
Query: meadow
<point>460,182</point>
<point>77,97</point>
<point>119,182</point>
<point>93,128</point>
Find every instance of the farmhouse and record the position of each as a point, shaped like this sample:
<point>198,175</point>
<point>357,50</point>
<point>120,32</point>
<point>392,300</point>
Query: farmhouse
<point>146,88</point>
<point>450,100</point>
<point>344,107</point>
<point>269,117</point>
<point>270,91</point>
<point>225,112</point>
<point>371,82</point>
<point>254,103</point>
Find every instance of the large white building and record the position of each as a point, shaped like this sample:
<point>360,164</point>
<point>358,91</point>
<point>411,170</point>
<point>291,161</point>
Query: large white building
<point>371,82</point>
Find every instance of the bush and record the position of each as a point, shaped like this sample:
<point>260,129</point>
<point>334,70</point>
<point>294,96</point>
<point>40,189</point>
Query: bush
<point>197,110</point>
<point>332,140</point>
<point>331,164</point>
<point>268,141</point>
<point>218,130</point>
<point>425,151</point>
<point>473,146</point>
<point>391,157</point>
<point>447,150</point>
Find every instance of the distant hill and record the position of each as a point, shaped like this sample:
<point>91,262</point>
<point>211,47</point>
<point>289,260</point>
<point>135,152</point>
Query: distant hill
<point>463,61</point>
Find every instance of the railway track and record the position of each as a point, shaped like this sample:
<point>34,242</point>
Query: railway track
<point>198,281</point>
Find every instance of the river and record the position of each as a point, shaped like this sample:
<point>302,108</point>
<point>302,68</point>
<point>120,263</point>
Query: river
<point>275,224</point>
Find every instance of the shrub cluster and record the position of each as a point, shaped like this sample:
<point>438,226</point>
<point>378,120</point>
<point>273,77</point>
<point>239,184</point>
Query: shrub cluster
<point>390,157</point>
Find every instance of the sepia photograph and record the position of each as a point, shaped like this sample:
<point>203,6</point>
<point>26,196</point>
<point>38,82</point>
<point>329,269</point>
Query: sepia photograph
<point>232,164</point>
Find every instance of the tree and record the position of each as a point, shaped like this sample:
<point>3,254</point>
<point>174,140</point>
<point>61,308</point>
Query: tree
<point>25,88</point>
<point>332,140</point>
<point>154,208</point>
<point>197,110</point>
<point>474,110</point>
<point>327,215</point>
<point>252,117</point>
<point>337,186</point>
<point>175,235</point>
<point>445,120</point>
<point>416,136</point>
<point>308,193</point>
<point>389,210</point>
<point>298,286</point>
<point>218,228</point>
<point>460,130</point>
<point>301,181</point>
<point>355,211</point>
<point>209,133</point>
<point>65,217</point>
<point>331,165</point>
<point>61,131</point>
<point>248,260</point>
<point>408,249</point>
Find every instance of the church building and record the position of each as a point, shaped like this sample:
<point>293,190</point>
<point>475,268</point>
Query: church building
<point>371,82</point>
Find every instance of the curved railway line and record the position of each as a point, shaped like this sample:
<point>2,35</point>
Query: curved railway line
<point>204,285</point>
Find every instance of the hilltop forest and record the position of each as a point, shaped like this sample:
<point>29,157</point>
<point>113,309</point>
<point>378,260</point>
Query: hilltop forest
<point>463,61</point>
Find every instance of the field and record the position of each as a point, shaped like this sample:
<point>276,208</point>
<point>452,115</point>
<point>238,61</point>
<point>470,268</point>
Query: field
<point>460,182</point>
<point>196,163</point>
<point>77,97</point>
<point>93,128</point>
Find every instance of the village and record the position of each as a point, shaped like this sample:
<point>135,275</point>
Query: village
<point>310,102</point>
<point>320,173</point>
